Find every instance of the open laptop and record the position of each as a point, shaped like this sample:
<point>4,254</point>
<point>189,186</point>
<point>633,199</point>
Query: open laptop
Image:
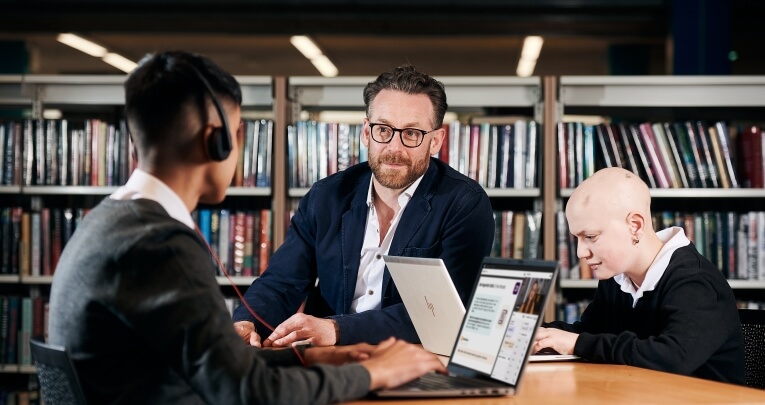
<point>430,298</point>
<point>493,344</point>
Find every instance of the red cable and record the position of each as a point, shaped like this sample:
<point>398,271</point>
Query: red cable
<point>241,297</point>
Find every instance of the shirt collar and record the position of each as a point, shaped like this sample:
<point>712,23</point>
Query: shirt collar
<point>673,239</point>
<point>143,185</point>
<point>402,199</point>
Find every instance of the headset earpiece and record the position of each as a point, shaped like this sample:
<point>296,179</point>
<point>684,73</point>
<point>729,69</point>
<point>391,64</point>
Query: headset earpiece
<point>219,144</point>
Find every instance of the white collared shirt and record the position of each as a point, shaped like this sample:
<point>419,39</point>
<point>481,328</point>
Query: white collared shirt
<point>673,239</point>
<point>368,293</point>
<point>144,185</point>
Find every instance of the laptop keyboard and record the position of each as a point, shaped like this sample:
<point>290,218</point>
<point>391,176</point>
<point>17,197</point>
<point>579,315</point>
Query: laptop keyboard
<point>434,382</point>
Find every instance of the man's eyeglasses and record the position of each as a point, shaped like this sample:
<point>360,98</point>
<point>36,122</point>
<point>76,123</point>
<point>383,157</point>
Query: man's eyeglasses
<point>410,137</point>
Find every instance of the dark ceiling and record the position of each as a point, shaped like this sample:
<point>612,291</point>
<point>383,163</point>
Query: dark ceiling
<point>364,37</point>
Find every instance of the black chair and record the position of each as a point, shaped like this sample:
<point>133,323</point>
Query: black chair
<point>753,328</point>
<point>58,379</point>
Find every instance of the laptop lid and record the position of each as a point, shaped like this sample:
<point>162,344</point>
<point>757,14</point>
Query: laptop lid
<point>505,309</point>
<point>496,334</point>
<point>430,298</point>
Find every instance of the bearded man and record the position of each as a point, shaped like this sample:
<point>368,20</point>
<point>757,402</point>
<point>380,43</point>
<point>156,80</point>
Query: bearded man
<point>402,202</point>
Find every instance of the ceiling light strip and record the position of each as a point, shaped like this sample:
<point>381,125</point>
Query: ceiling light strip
<point>532,46</point>
<point>310,51</point>
<point>83,45</point>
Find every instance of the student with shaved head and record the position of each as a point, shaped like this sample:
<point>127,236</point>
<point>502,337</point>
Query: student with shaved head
<point>659,304</point>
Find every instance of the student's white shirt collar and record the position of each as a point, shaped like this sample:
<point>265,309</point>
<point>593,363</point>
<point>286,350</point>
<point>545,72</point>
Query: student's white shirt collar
<point>144,185</point>
<point>673,239</point>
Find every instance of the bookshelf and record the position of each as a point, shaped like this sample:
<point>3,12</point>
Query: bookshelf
<point>668,98</point>
<point>545,100</point>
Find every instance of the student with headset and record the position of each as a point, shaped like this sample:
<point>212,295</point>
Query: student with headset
<point>134,298</point>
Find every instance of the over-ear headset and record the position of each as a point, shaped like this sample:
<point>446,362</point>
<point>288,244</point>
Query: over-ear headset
<point>219,145</point>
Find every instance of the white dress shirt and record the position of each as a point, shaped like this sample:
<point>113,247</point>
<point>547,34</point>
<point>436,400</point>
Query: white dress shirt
<point>368,293</point>
<point>673,238</point>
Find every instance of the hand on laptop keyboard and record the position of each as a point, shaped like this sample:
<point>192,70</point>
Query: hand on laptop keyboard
<point>547,350</point>
<point>396,362</point>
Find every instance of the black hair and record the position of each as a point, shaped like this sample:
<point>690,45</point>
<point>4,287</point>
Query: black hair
<point>409,80</point>
<point>159,89</point>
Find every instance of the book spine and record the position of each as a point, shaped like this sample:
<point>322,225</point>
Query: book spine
<point>531,148</point>
<point>725,150</point>
<point>266,222</point>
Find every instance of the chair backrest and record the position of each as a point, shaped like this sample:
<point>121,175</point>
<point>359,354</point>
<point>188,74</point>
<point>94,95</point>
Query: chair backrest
<point>753,328</point>
<point>58,379</point>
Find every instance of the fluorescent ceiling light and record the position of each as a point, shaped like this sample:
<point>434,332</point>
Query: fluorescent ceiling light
<point>532,46</point>
<point>324,66</point>
<point>82,45</point>
<point>525,67</point>
<point>308,48</point>
<point>120,62</point>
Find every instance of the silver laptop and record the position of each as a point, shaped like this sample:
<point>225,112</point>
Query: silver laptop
<point>493,344</point>
<point>430,298</point>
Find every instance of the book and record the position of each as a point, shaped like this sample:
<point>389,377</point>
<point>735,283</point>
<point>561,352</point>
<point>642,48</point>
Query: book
<point>706,154</point>
<point>680,136</point>
<point>266,223</point>
<point>562,156</point>
<point>750,159</point>
<point>606,153</point>
<point>588,151</point>
<point>532,131</point>
<point>670,157</point>
<point>520,129</point>
<point>653,155</point>
<point>717,155</point>
<point>696,152</point>
<point>645,168</point>
<point>742,247</point>
<point>723,136</point>
<point>507,234</point>
<point>506,142</point>
<point>223,238</point>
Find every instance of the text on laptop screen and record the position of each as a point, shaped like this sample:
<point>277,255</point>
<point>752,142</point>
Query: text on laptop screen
<point>500,322</point>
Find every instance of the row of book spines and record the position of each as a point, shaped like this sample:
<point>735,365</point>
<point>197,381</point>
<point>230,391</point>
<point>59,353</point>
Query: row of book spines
<point>496,156</point>
<point>571,312</point>
<point>21,318</point>
<point>666,155</point>
<point>316,150</point>
<point>734,242</point>
<point>31,242</point>
<point>242,240</point>
<point>254,162</point>
<point>53,152</point>
<point>517,234</point>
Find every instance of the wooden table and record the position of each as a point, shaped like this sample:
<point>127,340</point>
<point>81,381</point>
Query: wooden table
<point>585,383</point>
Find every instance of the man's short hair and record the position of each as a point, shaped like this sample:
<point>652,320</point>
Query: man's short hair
<point>409,80</point>
<point>160,88</point>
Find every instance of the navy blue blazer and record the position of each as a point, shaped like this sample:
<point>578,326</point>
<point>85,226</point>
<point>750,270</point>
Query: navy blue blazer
<point>449,216</point>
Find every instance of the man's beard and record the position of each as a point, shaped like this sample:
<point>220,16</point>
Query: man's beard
<point>394,179</point>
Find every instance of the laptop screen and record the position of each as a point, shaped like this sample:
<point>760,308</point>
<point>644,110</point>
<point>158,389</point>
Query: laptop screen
<point>503,314</point>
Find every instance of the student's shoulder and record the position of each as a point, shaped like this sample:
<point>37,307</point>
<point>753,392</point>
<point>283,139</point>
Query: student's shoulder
<point>688,264</point>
